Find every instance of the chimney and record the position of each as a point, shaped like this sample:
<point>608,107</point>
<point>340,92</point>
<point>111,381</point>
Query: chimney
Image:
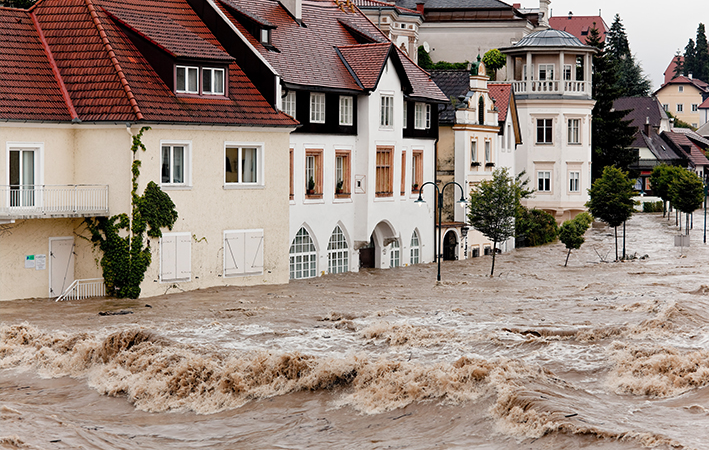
<point>544,13</point>
<point>294,8</point>
<point>648,127</point>
<point>690,75</point>
<point>419,7</point>
<point>516,5</point>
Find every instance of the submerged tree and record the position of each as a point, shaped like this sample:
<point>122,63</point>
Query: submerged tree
<point>660,180</point>
<point>686,193</point>
<point>611,134</point>
<point>571,232</point>
<point>492,208</point>
<point>121,237</point>
<point>612,199</point>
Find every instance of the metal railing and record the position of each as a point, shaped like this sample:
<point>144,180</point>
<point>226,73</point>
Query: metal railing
<point>80,289</point>
<point>53,200</point>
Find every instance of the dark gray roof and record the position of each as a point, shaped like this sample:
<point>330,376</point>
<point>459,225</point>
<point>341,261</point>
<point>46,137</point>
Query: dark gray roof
<point>662,151</point>
<point>640,110</point>
<point>453,83</point>
<point>454,4</point>
<point>550,38</point>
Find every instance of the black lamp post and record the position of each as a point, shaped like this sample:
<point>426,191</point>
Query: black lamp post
<point>420,201</point>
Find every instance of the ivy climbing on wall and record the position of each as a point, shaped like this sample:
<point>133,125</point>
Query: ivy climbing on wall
<point>122,238</point>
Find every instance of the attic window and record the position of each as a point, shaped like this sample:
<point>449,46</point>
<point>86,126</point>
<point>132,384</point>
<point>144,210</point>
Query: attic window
<point>265,36</point>
<point>187,80</point>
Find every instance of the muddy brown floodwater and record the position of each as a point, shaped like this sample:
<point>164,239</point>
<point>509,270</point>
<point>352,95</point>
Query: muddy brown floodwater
<point>609,355</point>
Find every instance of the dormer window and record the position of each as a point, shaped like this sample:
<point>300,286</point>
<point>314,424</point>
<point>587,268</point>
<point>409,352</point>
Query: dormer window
<point>187,80</point>
<point>265,36</point>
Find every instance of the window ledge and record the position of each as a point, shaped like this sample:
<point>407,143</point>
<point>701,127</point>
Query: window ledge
<point>575,143</point>
<point>235,186</point>
<point>175,187</point>
<point>313,201</point>
<point>388,198</point>
<point>544,143</point>
<point>342,200</point>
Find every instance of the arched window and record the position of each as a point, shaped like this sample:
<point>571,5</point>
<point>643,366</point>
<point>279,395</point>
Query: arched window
<point>481,111</point>
<point>303,257</point>
<point>415,248</point>
<point>394,254</point>
<point>338,256</point>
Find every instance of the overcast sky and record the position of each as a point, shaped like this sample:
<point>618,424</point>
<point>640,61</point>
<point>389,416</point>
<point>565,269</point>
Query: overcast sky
<point>655,29</point>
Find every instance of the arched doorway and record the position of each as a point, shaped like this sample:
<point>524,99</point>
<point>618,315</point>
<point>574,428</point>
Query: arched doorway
<point>450,246</point>
<point>366,254</point>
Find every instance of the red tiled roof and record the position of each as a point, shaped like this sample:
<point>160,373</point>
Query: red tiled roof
<point>579,26</point>
<point>378,4</point>
<point>669,73</point>
<point>692,152</point>
<point>367,61</point>
<point>422,84</point>
<point>705,104</point>
<point>108,79</point>
<point>501,93</point>
<point>699,84</point>
<point>30,91</point>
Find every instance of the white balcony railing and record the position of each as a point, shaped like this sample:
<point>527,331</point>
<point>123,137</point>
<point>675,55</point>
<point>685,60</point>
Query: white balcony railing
<point>45,201</point>
<point>80,289</point>
<point>575,88</point>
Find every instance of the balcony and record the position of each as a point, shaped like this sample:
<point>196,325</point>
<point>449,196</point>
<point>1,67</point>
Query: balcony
<point>46,202</point>
<point>566,87</point>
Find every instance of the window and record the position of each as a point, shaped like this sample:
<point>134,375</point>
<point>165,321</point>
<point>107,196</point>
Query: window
<point>23,175</point>
<point>546,72</point>
<point>414,251</point>
<point>386,111</point>
<point>346,109</point>
<point>289,104</point>
<point>292,185</point>
<point>573,131</point>
<point>243,252</point>
<point>416,169</point>
<point>175,257</point>
<point>579,68</point>
<point>313,173</point>
<point>665,106</point>
<point>544,181</point>
<point>265,36</point>
<point>402,191</point>
<point>574,181</point>
<point>338,256</point>
<point>394,254</point>
<point>384,172</point>
<point>695,107</point>
<point>242,165</point>
<point>174,163</point>
<point>567,72</point>
<point>474,153</point>
<point>303,257</point>
<point>544,131</point>
<point>680,88</point>
<point>317,107</point>
<point>187,80</point>
<point>213,81</point>
<point>422,116</point>
<point>488,152</point>
<point>406,114</point>
<point>481,110</point>
<point>680,107</point>
<point>342,173</point>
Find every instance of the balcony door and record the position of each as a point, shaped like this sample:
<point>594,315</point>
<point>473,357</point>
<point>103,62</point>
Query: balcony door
<point>23,176</point>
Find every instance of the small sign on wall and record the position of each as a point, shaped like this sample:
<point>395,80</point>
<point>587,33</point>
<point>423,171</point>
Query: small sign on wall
<point>37,262</point>
<point>29,261</point>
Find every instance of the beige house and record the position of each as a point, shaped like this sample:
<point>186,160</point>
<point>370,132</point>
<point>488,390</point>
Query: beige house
<point>682,97</point>
<point>216,146</point>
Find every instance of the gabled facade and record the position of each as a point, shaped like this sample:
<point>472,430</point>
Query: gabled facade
<point>550,72</point>
<point>580,26</point>
<point>692,147</point>
<point>99,71</point>
<point>682,96</point>
<point>368,120</point>
<point>400,25</point>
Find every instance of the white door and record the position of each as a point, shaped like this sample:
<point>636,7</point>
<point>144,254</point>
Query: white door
<point>61,264</point>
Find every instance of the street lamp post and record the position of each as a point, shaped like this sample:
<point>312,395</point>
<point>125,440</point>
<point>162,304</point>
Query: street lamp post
<point>420,201</point>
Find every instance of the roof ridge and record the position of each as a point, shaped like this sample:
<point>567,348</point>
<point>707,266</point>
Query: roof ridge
<point>364,45</point>
<point>55,69</point>
<point>114,59</point>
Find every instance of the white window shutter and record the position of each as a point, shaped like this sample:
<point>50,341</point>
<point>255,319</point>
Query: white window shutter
<point>184,256</point>
<point>254,251</point>
<point>168,248</point>
<point>233,253</point>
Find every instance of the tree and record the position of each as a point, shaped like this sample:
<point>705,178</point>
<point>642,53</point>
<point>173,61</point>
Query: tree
<point>612,199</point>
<point>686,193</point>
<point>660,180</point>
<point>536,226</point>
<point>611,134</point>
<point>424,59</point>
<point>679,123</point>
<point>492,208</point>
<point>701,57</point>
<point>571,232</point>
<point>494,60</point>
<point>631,82</point>
<point>689,58</point>
<point>679,64</point>
<point>125,257</point>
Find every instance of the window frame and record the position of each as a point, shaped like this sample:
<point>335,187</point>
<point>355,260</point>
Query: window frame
<point>402,188</point>
<point>384,172</point>
<point>680,107</point>
<point>573,132</point>
<point>567,72</point>
<point>546,188</point>
<point>186,89</point>
<point>695,107</point>
<point>213,71</point>
<point>311,255</point>
<point>187,163</point>
<point>422,116</point>
<point>547,128</point>
<point>405,115</point>
<point>395,254</point>
<point>346,117</point>
<point>346,172</point>
<point>317,107</point>
<point>416,169</point>
<point>474,153</point>
<point>545,67</point>
<point>200,91</point>
<point>259,170</point>
<point>26,197</point>
<point>338,256</point>
<point>574,181</point>
<point>415,249</point>
<point>317,172</point>
<point>289,104</point>
<point>386,111</point>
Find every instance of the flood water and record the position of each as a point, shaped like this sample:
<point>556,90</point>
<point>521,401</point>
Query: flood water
<point>608,355</point>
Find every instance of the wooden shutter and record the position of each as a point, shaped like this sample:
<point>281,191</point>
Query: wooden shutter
<point>233,253</point>
<point>168,257</point>
<point>184,256</point>
<point>253,251</point>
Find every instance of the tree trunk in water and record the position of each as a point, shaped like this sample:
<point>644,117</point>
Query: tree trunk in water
<point>494,252</point>
<point>567,258</point>
<point>687,227</point>
<point>616,242</point>
<point>623,240</point>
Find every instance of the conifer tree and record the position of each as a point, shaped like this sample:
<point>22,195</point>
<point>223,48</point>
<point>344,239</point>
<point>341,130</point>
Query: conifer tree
<point>679,64</point>
<point>611,135</point>
<point>632,82</point>
<point>689,56</point>
<point>701,56</point>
